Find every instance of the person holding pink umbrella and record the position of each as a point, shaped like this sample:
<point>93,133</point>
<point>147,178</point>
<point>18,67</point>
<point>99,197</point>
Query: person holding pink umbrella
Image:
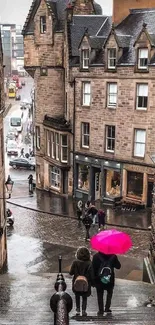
<point>108,243</point>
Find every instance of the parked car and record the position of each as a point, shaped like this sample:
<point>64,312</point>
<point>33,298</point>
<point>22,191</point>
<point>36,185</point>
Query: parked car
<point>22,163</point>
<point>18,97</point>
<point>11,148</point>
<point>23,83</point>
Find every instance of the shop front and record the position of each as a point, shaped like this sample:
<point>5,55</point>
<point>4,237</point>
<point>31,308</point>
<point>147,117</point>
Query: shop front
<point>138,184</point>
<point>97,179</point>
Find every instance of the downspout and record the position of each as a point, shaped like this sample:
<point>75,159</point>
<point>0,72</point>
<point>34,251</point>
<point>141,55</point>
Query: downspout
<point>74,117</point>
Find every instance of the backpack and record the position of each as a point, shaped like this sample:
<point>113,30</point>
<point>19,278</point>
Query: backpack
<point>105,271</point>
<point>80,284</point>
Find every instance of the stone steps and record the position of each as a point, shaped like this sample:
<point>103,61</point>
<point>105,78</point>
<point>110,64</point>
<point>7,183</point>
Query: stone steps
<point>24,300</point>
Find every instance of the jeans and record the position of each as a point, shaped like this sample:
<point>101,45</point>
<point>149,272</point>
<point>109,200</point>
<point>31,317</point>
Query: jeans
<point>94,219</point>
<point>87,232</point>
<point>100,293</point>
<point>84,301</point>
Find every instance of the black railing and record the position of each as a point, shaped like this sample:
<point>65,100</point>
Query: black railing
<point>61,302</point>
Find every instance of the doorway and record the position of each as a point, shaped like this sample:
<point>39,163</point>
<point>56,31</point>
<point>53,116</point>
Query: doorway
<point>97,185</point>
<point>149,194</point>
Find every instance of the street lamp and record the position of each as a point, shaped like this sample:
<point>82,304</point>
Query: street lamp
<point>9,186</point>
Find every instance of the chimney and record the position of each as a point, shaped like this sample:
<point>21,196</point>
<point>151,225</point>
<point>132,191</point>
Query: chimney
<point>121,8</point>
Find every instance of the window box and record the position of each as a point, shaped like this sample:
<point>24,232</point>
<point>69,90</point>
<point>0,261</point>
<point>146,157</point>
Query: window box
<point>110,138</point>
<point>85,135</point>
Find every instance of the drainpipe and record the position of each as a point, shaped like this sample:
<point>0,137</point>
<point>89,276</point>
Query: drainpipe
<point>73,84</point>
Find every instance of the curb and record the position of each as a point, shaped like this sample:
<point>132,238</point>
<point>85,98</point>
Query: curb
<point>7,110</point>
<point>73,218</point>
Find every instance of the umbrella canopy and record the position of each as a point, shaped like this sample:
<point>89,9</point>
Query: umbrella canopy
<point>111,242</point>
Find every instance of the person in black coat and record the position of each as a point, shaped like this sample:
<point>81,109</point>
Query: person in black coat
<point>100,259</point>
<point>82,266</point>
<point>87,221</point>
<point>101,219</point>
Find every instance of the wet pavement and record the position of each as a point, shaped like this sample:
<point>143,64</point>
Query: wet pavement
<point>25,300</point>
<point>55,204</point>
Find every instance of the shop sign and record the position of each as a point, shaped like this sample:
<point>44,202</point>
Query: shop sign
<point>139,169</point>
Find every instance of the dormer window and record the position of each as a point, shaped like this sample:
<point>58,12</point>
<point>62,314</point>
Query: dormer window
<point>85,58</point>
<point>112,58</point>
<point>42,24</point>
<point>142,58</point>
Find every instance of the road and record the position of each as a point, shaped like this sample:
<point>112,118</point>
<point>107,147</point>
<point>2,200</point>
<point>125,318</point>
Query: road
<point>18,175</point>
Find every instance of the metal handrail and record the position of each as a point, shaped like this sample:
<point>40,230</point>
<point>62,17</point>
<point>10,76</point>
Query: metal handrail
<point>61,302</point>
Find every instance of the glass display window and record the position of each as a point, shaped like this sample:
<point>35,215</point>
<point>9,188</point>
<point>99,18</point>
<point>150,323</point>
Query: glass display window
<point>83,177</point>
<point>134,185</point>
<point>112,181</point>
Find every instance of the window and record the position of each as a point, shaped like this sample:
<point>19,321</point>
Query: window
<point>85,58</point>
<point>110,138</point>
<point>57,146</point>
<point>112,183</point>
<point>142,96</point>
<point>64,148</point>
<point>55,177</point>
<point>43,24</point>
<point>38,137</point>
<point>86,93</point>
<point>83,177</point>
<point>85,135</point>
<point>139,143</point>
<point>52,145</point>
<point>142,58</point>
<point>134,185</point>
<point>112,58</point>
<point>112,95</point>
<point>38,174</point>
<point>48,143</point>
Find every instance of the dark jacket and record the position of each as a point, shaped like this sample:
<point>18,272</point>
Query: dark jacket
<point>82,268</point>
<point>92,210</point>
<point>96,264</point>
<point>87,221</point>
<point>101,218</point>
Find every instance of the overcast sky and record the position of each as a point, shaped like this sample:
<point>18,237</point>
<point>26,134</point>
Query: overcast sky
<point>16,11</point>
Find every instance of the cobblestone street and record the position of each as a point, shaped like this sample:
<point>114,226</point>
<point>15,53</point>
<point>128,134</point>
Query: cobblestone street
<point>37,239</point>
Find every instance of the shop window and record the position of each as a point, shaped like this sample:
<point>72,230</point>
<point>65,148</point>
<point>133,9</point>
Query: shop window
<point>42,24</point>
<point>110,138</point>
<point>55,177</point>
<point>142,96</point>
<point>86,93</point>
<point>112,95</point>
<point>112,182</point>
<point>38,137</point>
<point>38,174</point>
<point>142,58</point>
<point>85,135</point>
<point>85,58</point>
<point>57,146</point>
<point>139,143</point>
<point>64,148</point>
<point>112,58</point>
<point>134,185</point>
<point>83,177</point>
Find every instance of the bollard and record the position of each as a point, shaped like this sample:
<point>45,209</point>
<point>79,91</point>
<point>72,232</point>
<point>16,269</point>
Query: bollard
<point>61,302</point>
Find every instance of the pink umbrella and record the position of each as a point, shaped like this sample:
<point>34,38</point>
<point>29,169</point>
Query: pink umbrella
<point>111,242</point>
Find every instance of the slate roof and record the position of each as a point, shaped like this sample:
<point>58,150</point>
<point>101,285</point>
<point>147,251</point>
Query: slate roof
<point>77,28</point>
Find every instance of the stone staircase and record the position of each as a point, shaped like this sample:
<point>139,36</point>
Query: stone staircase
<point>24,300</point>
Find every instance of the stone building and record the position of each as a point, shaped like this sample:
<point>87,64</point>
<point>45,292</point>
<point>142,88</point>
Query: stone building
<point>94,98</point>
<point>3,245</point>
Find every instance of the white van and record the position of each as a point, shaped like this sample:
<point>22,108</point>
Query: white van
<point>12,149</point>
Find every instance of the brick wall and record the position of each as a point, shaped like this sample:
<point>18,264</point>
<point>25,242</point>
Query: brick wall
<point>83,7</point>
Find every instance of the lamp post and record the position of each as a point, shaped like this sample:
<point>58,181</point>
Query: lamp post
<point>9,186</point>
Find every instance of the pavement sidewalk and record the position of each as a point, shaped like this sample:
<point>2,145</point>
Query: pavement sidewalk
<point>50,203</point>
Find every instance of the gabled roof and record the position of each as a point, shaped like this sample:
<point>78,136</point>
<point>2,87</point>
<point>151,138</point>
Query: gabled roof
<point>55,7</point>
<point>79,24</point>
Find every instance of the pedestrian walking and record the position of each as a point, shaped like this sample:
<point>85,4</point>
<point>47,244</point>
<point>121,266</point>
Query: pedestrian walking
<point>87,221</point>
<point>93,212</point>
<point>101,219</point>
<point>79,210</point>
<point>22,152</point>
<point>104,279</point>
<point>30,180</point>
<point>81,269</point>
<point>87,205</point>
